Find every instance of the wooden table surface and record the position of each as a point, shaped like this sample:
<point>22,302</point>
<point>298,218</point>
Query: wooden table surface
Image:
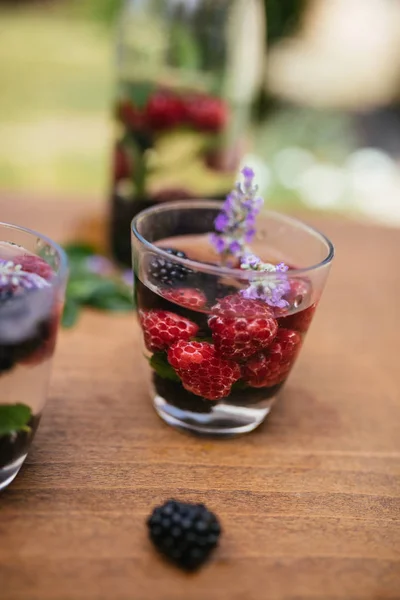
<point>310,503</point>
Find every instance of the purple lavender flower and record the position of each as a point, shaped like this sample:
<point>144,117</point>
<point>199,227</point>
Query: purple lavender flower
<point>248,173</point>
<point>265,286</point>
<point>221,222</point>
<point>127,277</point>
<point>235,247</point>
<point>100,265</point>
<point>235,224</point>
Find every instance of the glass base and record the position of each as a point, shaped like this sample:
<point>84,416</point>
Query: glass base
<point>9,473</point>
<point>224,420</point>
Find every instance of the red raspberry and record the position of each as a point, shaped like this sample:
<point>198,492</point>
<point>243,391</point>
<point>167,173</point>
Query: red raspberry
<point>206,113</point>
<point>202,372</point>
<point>241,327</point>
<point>47,348</point>
<point>130,115</point>
<point>164,111</point>
<point>273,366</point>
<point>300,321</point>
<point>122,167</point>
<point>34,264</point>
<point>187,297</point>
<point>161,329</point>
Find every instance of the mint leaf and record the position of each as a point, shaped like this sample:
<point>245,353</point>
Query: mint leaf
<point>138,92</point>
<point>161,366</point>
<point>79,251</point>
<point>14,418</point>
<point>71,313</point>
<point>239,385</point>
<point>83,287</point>
<point>115,302</point>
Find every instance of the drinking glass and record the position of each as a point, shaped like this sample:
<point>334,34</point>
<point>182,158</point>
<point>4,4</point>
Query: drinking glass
<point>218,360</point>
<point>33,276</point>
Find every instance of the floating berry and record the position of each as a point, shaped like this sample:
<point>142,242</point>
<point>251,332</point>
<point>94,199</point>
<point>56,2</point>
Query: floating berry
<point>34,264</point>
<point>161,329</point>
<point>241,327</point>
<point>122,166</point>
<point>187,297</point>
<point>164,111</point>
<point>167,272</point>
<point>270,368</point>
<point>206,113</point>
<point>203,372</point>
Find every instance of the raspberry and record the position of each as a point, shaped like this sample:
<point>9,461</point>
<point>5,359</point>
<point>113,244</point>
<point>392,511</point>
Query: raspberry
<point>34,264</point>
<point>129,115</point>
<point>202,372</point>
<point>269,368</point>
<point>206,113</point>
<point>162,328</point>
<point>122,168</point>
<point>187,297</point>
<point>184,533</point>
<point>241,327</point>
<point>47,341</point>
<point>164,111</point>
<point>300,321</point>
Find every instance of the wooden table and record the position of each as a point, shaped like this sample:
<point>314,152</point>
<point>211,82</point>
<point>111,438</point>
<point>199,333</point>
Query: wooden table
<point>310,503</point>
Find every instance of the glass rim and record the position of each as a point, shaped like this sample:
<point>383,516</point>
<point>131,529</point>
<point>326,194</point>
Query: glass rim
<point>219,270</point>
<point>62,272</point>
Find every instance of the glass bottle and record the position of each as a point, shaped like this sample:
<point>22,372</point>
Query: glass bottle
<point>188,72</point>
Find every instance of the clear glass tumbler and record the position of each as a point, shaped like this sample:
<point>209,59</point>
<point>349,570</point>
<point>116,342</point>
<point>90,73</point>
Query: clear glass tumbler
<point>33,276</point>
<point>217,359</point>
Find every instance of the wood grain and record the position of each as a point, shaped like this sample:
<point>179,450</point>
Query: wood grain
<point>310,503</point>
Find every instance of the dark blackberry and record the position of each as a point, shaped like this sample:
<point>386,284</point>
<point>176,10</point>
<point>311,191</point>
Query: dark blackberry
<point>6,293</point>
<point>184,533</point>
<point>166,272</point>
<point>176,395</point>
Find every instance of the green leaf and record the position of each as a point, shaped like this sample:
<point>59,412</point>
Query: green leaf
<point>138,92</point>
<point>83,287</point>
<point>160,364</point>
<point>117,302</point>
<point>239,385</point>
<point>71,313</point>
<point>14,418</point>
<point>79,251</point>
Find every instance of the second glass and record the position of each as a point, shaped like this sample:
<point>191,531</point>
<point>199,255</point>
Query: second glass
<point>33,275</point>
<point>218,359</point>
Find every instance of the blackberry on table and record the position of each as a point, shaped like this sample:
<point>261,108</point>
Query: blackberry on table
<point>163,271</point>
<point>184,533</point>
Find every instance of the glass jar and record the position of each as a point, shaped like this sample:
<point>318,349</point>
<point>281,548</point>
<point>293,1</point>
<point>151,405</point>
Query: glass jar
<point>188,72</point>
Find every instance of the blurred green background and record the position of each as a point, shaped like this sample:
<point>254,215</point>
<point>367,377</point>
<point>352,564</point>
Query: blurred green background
<point>57,72</point>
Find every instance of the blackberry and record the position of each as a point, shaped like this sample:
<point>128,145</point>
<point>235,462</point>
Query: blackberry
<point>166,272</point>
<point>177,396</point>
<point>184,533</point>
<point>6,293</point>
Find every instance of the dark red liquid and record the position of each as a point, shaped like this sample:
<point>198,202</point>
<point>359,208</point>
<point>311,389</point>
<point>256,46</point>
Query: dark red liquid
<point>242,392</point>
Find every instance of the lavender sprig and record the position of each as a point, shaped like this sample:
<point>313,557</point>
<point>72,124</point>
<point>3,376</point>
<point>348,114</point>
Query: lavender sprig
<point>269,289</point>
<point>12,274</point>
<point>235,229</point>
<point>235,224</point>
